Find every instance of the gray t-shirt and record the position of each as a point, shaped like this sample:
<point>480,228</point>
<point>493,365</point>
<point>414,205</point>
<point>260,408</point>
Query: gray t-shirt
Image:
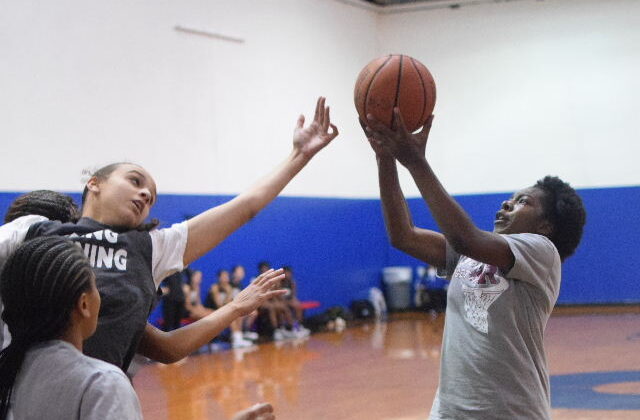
<point>493,363</point>
<point>56,381</point>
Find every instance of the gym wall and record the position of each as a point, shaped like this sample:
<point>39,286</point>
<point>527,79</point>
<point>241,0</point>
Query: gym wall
<point>525,89</point>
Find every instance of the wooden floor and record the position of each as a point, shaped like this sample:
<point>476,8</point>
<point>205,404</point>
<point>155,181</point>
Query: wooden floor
<point>389,371</point>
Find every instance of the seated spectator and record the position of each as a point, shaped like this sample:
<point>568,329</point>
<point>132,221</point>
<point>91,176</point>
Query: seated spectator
<point>219,295</point>
<point>248,322</point>
<point>173,301</point>
<point>278,313</point>
<point>292,302</point>
<point>193,303</point>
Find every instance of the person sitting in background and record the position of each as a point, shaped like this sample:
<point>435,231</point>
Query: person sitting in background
<point>248,322</point>
<point>192,301</point>
<point>276,311</point>
<point>292,302</point>
<point>173,300</point>
<point>219,295</point>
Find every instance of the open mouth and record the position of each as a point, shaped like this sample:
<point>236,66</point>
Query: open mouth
<point>500,218</point>
<point>138,205</point>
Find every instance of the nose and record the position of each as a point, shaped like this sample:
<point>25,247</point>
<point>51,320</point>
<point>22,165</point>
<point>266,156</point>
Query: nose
<point>146,195</point>
<point>507,205</point>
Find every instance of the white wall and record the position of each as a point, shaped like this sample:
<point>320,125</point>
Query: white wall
<point>529,88</point>
<point>525,88</point>
<point>85,83</point>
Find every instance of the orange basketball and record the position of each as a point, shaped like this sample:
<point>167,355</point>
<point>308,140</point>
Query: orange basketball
<point>396,80</point>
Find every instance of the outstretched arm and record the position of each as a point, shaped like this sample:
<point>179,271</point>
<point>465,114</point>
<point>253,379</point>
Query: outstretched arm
<point>457,226</point>
<point>208,229</point>
<point>169,347</point>
<point>426,245</point>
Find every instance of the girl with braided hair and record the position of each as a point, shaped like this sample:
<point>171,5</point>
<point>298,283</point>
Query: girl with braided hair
<point>29,208</point>
<point>51,307</point>
<point>130,261</point>
<point>50,204</point>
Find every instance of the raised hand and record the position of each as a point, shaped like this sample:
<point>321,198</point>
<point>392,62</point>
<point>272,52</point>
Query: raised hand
<point>263,288</point>
<point>313,138</point>
<point>380,151</point>
<point>406,147</point>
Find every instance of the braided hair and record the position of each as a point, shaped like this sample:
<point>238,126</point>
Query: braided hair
<point>50,204</point>
<point>563,207</point>
<point>102,174</point>
<point>40,285</point>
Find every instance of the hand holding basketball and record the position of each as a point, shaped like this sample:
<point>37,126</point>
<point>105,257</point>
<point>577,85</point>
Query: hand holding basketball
<point>310,140</point>
<point>406,147</point>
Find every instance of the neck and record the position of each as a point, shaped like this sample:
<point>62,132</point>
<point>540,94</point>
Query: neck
<point>73,335</point>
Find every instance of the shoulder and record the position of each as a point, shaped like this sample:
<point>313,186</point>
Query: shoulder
<point>531,242</point>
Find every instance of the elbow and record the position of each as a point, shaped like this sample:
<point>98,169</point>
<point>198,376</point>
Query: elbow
<point>169,357</point>
<point>399,240</point>
<point>464,243</point>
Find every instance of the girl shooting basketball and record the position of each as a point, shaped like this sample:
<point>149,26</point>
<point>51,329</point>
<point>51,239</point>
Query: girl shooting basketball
<point>504,283</point>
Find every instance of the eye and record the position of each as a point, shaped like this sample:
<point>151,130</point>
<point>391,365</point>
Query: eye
<point>135,181</point>
<point>522,201</point>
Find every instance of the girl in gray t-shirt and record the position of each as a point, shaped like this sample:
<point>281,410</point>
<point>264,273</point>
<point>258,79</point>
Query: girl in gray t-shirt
<point>504,283</point>
<point>51,306</point>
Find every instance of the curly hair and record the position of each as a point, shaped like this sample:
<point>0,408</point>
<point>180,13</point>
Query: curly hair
<point>50,204</point>
<point>563,207</point>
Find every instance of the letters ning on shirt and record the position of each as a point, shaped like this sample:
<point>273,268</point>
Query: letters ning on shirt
<point>102,255</point>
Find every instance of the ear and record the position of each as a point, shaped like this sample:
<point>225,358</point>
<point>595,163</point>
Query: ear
<point>82,306</point>
<point>93,185</point>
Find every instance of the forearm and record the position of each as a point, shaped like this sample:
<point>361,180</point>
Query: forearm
<point>397,218</point>
<point>210,228</point>
<point>455,224</point>
<point>169,347</point>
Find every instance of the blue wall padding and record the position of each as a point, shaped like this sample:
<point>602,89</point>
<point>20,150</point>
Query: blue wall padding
<point>338,247</point>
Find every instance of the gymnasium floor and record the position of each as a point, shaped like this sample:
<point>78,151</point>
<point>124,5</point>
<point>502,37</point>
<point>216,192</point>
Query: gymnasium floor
<point>389,371</point>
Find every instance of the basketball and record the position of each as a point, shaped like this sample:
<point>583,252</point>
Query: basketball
<point>395,80</point>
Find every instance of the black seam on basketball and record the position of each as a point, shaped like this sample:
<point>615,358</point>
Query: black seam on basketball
<point>395,103</point>
<point>424,90</point>
<point>366,97</point>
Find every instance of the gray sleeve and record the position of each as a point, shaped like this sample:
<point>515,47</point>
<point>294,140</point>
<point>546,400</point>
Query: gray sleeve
<point>110,396</point>
<point>452,258</point>
<point>535,258</point>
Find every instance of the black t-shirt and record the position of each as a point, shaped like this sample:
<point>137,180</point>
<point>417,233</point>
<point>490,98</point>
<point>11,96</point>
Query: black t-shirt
<point>122,262</point>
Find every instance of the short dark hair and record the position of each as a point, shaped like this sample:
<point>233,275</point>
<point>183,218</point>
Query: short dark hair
<point>564,209</point>
<point>40,285</point>
<point>50,204</point>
